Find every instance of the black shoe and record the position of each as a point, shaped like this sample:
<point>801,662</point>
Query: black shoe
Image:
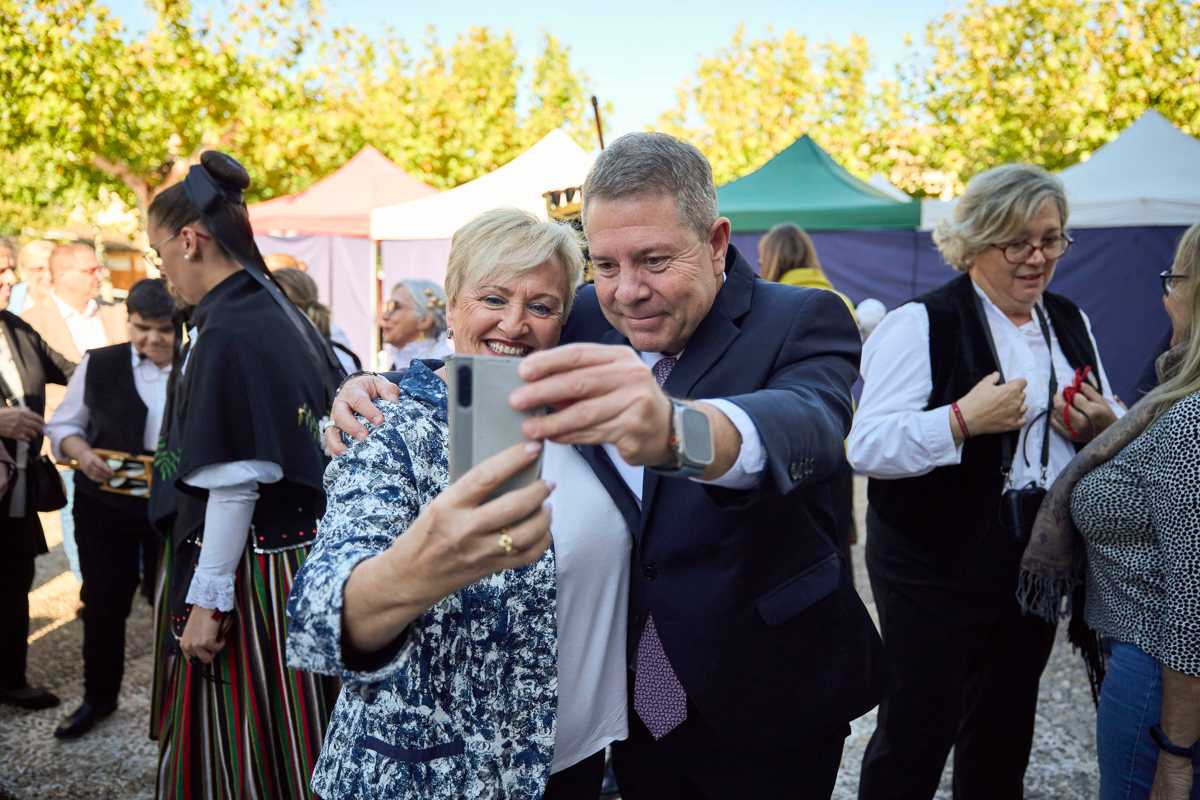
<point>83,720</point>
<point>33,698</point>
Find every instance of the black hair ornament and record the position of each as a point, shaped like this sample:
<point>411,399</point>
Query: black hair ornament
<point>208,196</point>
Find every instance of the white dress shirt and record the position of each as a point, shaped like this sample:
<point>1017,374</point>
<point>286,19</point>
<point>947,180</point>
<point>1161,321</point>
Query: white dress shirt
<point>71,417</point>
<point>893,436</point>
<point>745,472</point>
<point>12,378</point>
<point>86,327</point>
<point>592,546</point>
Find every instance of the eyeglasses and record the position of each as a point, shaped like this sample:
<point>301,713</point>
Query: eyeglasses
<point>392,307</point>
<point>1019,252</point>
<point>1169,279</point>
<point>151,253</point>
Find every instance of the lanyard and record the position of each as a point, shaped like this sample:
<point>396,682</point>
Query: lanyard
<point>1008,441</point>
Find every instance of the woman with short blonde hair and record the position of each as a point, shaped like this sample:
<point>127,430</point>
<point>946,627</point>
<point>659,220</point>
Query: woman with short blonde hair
<point>497,662</point>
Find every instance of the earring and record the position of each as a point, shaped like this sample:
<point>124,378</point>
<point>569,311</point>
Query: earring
<point>449,333</point>
<point>187,256</point>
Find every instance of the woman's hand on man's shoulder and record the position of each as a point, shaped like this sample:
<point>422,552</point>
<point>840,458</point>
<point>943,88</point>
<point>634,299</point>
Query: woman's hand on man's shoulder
<point>357,396</point>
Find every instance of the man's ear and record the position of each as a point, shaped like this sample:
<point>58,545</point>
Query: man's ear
<point>718,242</point>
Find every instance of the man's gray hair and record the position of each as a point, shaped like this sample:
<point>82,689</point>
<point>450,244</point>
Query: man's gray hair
<point>655,163</point>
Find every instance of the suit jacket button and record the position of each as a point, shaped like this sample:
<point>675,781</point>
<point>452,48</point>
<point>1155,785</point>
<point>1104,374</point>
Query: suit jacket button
<point>650,571</point>
<point>794,471</point>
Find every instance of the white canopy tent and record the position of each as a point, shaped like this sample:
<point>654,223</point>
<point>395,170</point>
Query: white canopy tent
<point>1148,176</point>
<point>555,162</point>
<point>415,236</point>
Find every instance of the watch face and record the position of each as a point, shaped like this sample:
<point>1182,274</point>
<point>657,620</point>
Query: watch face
<point>697,439</point>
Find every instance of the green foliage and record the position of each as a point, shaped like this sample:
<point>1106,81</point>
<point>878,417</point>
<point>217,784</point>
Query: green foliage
<point>1046,81</point>
<point>93,105</point>
<point>755,97</point>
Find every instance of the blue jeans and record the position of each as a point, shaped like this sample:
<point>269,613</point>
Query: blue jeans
<point>1130,703</point>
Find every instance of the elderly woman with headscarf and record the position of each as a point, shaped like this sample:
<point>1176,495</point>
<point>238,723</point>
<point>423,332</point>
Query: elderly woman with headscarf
<point>962,426</point>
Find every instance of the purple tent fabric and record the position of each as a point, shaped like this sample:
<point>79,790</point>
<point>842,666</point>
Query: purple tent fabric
<point>1111,273</point>
<point>341,266</point>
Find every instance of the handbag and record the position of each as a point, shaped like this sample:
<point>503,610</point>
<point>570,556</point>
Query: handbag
<point>46,489</point>
<point>1019,506</point>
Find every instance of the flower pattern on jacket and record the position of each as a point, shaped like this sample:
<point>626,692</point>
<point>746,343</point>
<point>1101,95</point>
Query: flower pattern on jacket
<point>466,706</point>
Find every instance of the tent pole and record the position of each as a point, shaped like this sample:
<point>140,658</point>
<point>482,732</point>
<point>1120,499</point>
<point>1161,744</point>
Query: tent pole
<point>596,115</point>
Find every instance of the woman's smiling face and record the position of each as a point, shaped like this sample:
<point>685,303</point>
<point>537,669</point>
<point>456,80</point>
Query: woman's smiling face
<point>512,316</point>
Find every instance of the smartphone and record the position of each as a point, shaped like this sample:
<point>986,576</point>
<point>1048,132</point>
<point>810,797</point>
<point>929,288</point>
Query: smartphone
<point>482,423</point>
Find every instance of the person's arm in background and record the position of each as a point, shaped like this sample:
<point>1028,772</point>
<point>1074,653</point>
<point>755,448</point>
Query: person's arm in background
<point>67,429</point>
<point>1175,509</point>
<point>232,494</point>
<point>57,368</point>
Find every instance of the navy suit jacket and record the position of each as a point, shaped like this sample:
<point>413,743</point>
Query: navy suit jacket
<point>755,609</point>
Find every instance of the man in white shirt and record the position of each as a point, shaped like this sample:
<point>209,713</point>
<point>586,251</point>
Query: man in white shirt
<point>72,322</point>
<point>115,401</point>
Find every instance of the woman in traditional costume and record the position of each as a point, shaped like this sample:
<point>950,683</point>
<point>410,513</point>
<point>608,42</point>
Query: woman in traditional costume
<point>238,493</point>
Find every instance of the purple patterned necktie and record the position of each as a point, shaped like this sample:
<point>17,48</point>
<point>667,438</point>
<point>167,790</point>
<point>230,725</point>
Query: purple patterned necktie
<point>658,696</point>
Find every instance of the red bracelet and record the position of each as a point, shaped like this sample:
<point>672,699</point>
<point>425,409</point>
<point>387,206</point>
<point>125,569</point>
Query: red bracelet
<point>962,423</point>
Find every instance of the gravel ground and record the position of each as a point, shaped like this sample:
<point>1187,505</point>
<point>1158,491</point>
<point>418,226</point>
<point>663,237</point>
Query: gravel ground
<point>117,759</point>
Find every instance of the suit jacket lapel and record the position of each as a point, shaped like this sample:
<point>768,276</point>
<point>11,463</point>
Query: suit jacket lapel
<point>614,484</point>
<point>713,336</point>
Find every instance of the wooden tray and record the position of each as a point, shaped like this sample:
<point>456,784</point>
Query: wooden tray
<point>135,473</point>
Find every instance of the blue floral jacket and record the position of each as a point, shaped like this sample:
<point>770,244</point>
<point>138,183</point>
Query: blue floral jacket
<point>466,706</point>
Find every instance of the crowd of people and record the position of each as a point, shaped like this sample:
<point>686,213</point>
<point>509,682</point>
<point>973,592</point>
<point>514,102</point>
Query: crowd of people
<point>673,596</point>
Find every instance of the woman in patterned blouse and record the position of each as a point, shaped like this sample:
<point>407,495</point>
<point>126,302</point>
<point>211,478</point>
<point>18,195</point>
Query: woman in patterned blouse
<point>1136,501</point>
<point>476,660</point>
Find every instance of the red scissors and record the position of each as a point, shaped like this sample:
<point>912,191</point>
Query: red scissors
<point>1082,375</point>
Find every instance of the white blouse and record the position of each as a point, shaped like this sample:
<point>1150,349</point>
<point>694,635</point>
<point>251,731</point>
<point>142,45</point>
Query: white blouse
<point>592,546</point>
<point>893,436</point>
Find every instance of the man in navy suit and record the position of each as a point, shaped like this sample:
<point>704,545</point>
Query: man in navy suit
<point>713,407</point>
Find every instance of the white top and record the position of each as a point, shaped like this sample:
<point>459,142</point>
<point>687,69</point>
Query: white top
<point>12,377</point>
<point>745,472</point>
<point>86,327</point>
<point>71,418</point>
<point>893,436</point>
<point>232,493</point>
<point>592,549</point>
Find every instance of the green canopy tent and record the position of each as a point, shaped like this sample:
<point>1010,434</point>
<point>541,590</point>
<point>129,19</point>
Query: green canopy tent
<point>804,186</point>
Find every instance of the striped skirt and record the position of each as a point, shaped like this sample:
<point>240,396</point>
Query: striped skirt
<point>245,726</point>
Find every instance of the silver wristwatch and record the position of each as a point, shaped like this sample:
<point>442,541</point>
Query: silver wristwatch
<point>690,440</point>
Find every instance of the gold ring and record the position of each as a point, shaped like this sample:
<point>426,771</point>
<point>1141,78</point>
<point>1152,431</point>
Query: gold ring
<point>506,543</point>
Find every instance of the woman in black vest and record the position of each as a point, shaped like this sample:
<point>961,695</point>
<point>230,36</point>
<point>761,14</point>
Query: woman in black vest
<point>954,414</point>
<point>115,402</point>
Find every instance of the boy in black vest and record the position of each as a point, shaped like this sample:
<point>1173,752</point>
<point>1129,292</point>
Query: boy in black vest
<point>114,401</point>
